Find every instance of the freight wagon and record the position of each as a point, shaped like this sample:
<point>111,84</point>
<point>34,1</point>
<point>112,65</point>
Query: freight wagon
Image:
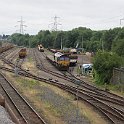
<point>22,53</point>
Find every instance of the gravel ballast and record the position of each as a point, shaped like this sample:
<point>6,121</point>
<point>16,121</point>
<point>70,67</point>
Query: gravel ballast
<point>4,117</point>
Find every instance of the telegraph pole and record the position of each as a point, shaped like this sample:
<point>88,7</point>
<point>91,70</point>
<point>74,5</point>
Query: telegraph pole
<point>121,21</point>
<point>61,44</point>
<point>82,49</point>
<point>102,45</point>
<point>81,63</point>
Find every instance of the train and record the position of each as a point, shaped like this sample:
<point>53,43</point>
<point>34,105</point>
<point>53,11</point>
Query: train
<point>40,48</point>
<point>60,60</point>
<point>71,53</point>
<point>22,53</point>
<point>73,57</point>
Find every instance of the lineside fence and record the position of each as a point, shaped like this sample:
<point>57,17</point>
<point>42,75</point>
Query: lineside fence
<point>118,76</point>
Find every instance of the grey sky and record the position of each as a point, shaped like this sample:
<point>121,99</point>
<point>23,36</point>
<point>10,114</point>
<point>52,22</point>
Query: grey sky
<point>38,14</point>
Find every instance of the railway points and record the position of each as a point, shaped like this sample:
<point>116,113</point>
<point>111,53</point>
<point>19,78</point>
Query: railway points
<point>114,113</point>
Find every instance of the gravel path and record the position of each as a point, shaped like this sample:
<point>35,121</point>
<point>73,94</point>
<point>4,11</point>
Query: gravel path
<point>4,117</point>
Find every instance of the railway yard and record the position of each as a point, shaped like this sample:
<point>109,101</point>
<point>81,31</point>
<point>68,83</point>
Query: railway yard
<point>36,92</point>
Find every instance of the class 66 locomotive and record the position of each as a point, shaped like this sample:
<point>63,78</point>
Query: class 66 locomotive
<point>40,48</point>
<point>62,61</point>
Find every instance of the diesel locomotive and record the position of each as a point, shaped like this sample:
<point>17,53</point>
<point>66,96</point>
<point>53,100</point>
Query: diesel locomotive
<point>62,61</point>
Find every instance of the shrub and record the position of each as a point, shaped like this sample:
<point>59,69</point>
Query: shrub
<point>103,65</point>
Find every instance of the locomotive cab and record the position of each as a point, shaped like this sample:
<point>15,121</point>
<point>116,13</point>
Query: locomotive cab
<point>62,60</point>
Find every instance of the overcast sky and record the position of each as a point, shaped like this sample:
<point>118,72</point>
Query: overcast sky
<point>38,14</point>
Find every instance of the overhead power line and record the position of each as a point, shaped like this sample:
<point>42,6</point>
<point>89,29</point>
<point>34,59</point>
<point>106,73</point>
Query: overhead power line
<point>102,21</point>
<point>21,26</point>
<point>55,24</point>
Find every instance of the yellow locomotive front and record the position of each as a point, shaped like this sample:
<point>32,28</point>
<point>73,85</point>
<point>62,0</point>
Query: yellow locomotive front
<point>62,61</point>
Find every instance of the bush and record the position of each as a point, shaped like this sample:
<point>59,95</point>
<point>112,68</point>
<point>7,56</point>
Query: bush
<point>103,65</point>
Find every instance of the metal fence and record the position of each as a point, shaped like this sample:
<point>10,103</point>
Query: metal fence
<point>118,76</point>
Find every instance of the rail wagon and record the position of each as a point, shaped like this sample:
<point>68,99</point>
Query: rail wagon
<point>72,53</point>
<point>73,57</point>
<point>22,53</point>
<point>5,48</point>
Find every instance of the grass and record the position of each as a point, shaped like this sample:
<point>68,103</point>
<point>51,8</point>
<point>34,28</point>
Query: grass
<point>30,59</point>
<point>56,104</point>
<point>26,82</point>
<point>60,106</point>
<point>58,110</point>
<point>117,89</point>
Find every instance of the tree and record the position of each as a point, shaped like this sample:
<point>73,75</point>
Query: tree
<point>108,38</point>
<point>112,39</point>
<point>118,47</point>
<point>103,64</point>
<point>93,46</point>
<point>96,35</point>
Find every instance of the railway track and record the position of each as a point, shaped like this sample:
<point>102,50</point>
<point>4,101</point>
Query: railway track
<point>110,105</point>
<point>13,55</point>
<point>102,96</point>
<point>24,112</point>
<point>113,115</point>
<point>69,77</point>
<point>19,62</point>
<point>6,53</point>
<point>41,62</point>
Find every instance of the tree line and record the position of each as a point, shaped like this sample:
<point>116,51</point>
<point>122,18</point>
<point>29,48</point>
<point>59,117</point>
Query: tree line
<point>107,40</point>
